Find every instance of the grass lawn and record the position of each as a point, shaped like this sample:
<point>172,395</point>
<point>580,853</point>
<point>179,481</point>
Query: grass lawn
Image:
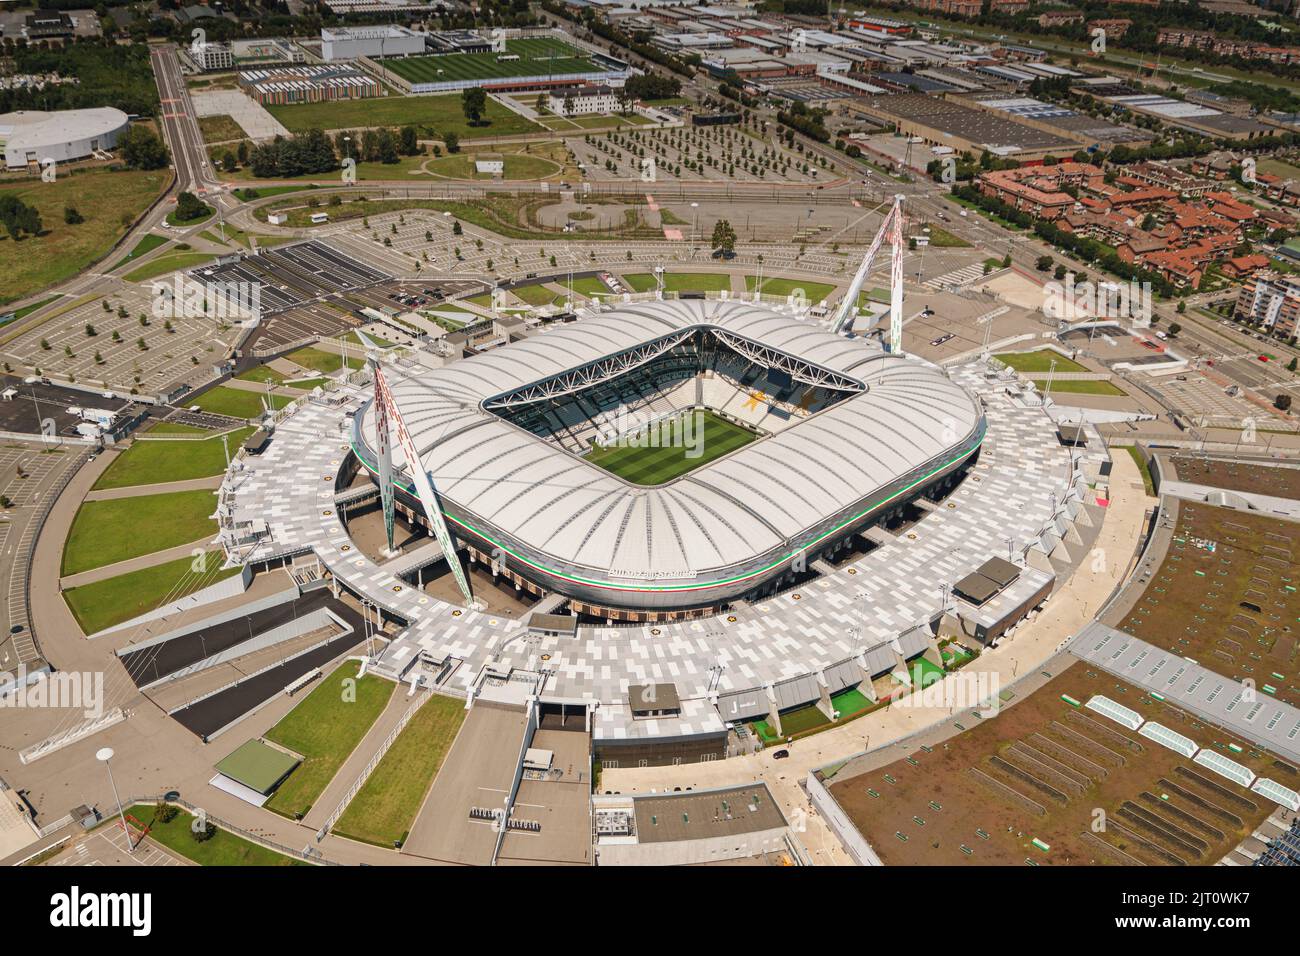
<point>1148,485</point>
<point>537,294</point>
<point>107,201</point>
<point>924,672</point>
<point>164,265</point>
<point>385,807</point>
<point>680,282</point>
<point>533,56</point>
<point>590,286</point>
<point>29,309</point>
<point>105,532</point>
<point>322,361</point>
<point>114,600</point>
<point>224,849</point>
<point>792,722</point>
<point>237,402</point>
<point>148,244</point>
<point>147,462</point>
<point>1067,386</point>
<point>176,428</point>
<point>654,466</point>
<point>440,114</point>
<point>220,129</point>
<point>1039,361</point>
<point>815,291</point>
<point>324,729</point>
<point>941,238</point>
<point>262,373</point>
<point>849,702</point>
<point>517,166</point>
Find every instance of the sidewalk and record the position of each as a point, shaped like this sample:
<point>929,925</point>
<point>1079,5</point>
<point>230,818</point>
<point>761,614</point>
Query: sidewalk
<point>1034,643</point>
<point>213,482</point>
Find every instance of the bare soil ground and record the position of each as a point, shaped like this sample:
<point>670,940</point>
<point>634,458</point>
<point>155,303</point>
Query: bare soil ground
<point>1226,597</point>
<point>1042,769</point>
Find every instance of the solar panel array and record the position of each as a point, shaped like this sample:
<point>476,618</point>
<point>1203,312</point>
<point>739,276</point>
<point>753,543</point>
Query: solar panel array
<point>1283,850</point>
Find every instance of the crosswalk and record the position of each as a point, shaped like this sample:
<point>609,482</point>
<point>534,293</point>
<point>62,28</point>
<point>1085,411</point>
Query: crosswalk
<point>958,277</point>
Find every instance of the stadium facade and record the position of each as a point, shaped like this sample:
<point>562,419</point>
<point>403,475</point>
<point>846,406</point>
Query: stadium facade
<point>847,435</point>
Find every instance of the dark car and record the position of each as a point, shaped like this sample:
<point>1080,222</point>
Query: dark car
<point>780,755</point>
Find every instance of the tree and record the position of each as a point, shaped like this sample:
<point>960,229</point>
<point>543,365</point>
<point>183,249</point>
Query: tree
<point>142,149</point>
<point>1282,403</point>
<point>410,142</point>
<point>1044,263</point>
<point>457,229</point>
<point>724,237</point>
<point>190,207</point>
<point>71,216</point>
<point>1174,329</point>
<point>18,217</point>
<point>473,103</point>
<point>452,142</point>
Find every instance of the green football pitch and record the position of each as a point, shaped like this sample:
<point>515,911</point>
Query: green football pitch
<point>537,56</point>
<point>712,438</point>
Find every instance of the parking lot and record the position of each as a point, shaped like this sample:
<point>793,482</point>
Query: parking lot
<point>107,846</point>
<point>119,343</point>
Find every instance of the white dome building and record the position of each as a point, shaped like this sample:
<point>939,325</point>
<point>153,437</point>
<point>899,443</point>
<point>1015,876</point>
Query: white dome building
<point>29,137</point>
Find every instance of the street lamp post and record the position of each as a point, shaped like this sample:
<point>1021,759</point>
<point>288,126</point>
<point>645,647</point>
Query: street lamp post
<point>104,755</point>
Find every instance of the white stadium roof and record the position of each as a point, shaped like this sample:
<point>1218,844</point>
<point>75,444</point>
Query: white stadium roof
<point>909,421</point>
<point>36,129</point>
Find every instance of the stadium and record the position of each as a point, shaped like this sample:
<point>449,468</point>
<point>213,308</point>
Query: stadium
<point>666,458</point>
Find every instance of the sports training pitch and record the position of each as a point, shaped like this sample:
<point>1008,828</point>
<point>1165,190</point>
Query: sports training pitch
<point>715,437</point>
<point>538,56</point>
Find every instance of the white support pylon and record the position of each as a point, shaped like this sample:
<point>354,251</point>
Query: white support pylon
<point>891,229</point>
<point>896,281</point>
<point>383,443</point>
<point>423,484</point>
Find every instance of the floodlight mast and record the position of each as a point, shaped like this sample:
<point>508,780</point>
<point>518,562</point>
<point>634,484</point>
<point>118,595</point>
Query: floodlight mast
<point>423,484</point>
<point>891,229</point>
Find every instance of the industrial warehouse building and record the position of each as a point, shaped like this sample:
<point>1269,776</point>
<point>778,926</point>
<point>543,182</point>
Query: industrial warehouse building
<point>30,137</point>
<point>353,42</point>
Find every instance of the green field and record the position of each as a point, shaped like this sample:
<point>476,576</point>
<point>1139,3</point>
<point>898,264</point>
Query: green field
<point>793,723</point>
<point>220,129</point>
<point>517,166</point>
<point>590,286</point>
<point>680,282</point>
<point>386,805</point>
<point>224,849</point>
<point>148,244</point>
<point>537,294</point>
<point>324,729</point>
<point>438,114</point>
<point>105,532</point>
<point>114,600</point>
<point>1086,387</point>
<point>237,402</point>
<point>163,265</point>
<point>108,202</point>
<point>1039,361</point>
<point>538,56</point>
<point>815,291</point>
<point>147,462</point>
<point>320,360</point>
<point>655,466</point>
